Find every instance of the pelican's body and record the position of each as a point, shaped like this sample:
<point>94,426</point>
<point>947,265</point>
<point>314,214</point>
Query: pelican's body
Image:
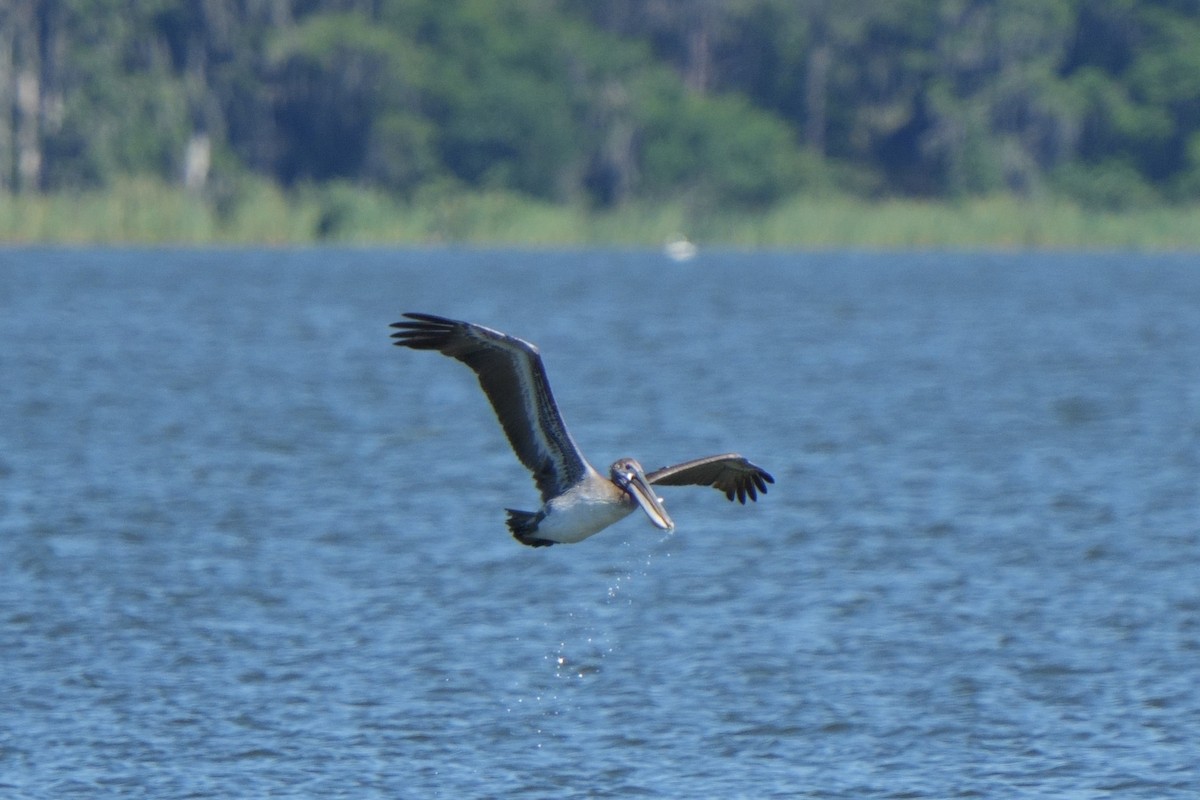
<point>586,508</point>
<point>577,501</point>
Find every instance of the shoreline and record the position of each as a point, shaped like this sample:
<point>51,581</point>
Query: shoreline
<point>142,212</point>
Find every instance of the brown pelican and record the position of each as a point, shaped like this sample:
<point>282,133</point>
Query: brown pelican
<point>577,501</point>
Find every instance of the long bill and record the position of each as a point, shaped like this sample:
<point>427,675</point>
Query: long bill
<point>636,485</point>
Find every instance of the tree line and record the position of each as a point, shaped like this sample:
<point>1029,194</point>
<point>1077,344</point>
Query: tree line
<point>736,102</point>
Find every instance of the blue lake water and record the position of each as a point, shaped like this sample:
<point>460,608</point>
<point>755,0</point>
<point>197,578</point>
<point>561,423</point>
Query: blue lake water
<point>249,549</point>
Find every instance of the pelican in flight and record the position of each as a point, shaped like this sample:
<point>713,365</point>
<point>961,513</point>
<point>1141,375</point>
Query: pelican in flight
<point>577,501</point>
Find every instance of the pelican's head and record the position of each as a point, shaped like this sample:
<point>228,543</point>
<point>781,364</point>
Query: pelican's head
<point>628,476</point>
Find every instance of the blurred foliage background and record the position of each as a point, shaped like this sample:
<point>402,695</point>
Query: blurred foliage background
<point>603,104</point>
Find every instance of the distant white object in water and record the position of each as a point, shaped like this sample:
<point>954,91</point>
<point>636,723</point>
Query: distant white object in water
<point>680,249</point>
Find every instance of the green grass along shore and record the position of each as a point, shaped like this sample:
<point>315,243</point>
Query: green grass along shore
<point>151,213</point>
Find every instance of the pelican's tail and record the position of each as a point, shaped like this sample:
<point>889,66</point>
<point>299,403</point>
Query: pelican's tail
<point>524,525</point>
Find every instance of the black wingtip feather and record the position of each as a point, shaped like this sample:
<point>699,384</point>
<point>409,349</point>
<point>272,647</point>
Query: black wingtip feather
<point>423,331</point>
<point>754,485</point>
<point>428,318</point>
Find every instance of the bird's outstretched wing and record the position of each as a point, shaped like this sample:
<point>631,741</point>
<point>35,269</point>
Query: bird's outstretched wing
<point>729,473</point>
<point>511,374</point>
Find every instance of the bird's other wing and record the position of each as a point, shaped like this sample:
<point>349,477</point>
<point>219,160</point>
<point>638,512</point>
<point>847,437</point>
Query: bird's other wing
<point>729,473</point>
